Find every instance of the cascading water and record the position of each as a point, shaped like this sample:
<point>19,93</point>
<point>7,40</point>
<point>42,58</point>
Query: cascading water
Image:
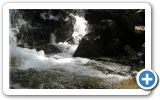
<point>80,29</point>
<point>62,70</point>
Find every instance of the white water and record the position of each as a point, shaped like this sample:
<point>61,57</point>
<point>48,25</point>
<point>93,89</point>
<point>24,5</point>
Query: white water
<point>80,29</point>
<point>30,58</point>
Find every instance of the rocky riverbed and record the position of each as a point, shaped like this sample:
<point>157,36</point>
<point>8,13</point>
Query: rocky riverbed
<point>76,49</point>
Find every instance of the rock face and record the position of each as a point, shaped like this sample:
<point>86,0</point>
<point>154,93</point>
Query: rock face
<point>38,25</point>
<point>51,79</point>
<point>112,34</point>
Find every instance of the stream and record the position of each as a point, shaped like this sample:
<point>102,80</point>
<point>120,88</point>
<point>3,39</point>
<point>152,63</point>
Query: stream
<point>31,69</point>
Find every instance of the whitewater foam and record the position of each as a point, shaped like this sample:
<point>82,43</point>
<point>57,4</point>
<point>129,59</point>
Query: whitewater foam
<point>80,29</point>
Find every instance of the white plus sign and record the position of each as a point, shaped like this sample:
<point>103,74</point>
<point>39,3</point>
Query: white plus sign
<point>147,79</point>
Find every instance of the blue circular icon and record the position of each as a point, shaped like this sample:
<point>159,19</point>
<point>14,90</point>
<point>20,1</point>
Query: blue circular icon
<point>147,79</point>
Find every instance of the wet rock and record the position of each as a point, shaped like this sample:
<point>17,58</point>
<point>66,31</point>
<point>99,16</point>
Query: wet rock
<point>104,40</point>
<point>48,48</point>
<point>110,32</point>
<point>40,24</point>
<point>131,52</point>
<point>64,31</point>
<point>52,79</point>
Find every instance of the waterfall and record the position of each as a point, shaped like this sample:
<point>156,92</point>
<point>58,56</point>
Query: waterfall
<point>62,65</point>
<point>80,30</point>
<point>12,37</point>
<point>16,22</point>
<point>30,58</point>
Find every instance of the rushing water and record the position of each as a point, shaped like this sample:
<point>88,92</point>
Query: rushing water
<point>33,69</point>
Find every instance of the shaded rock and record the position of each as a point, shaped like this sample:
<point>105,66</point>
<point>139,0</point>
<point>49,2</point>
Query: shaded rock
<point>131,53</point>
<point>48,48</point>
<point>112,34</point>
<point>65,30</point>
<point>91,43</point>
<point>104,40</point>
<point>40,24</point>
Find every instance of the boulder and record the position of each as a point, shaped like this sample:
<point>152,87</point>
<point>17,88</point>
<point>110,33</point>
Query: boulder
<point>112,34</point>
<point>48,48</point>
